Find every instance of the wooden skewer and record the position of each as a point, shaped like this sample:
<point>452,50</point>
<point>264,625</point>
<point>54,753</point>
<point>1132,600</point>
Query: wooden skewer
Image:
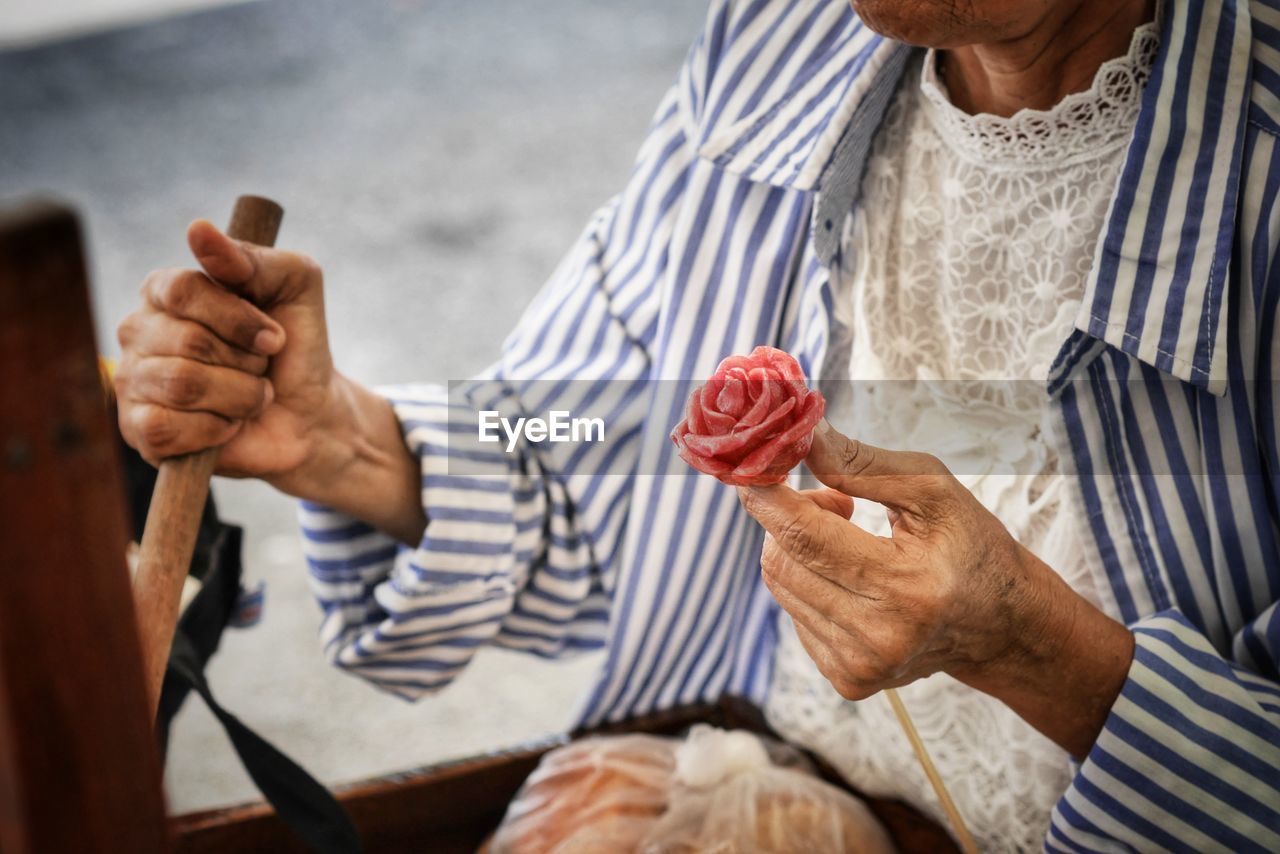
<point>177,503</point>
<point>930,770</point>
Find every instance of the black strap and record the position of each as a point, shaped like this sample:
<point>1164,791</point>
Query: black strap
<point>302,803</point>
<point>204,620</point>
<point>307,807</point>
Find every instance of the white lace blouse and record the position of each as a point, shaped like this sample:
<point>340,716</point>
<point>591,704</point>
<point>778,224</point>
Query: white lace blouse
<point>964,267</point>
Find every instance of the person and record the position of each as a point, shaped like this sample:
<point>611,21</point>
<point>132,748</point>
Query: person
<point>1041,246</point>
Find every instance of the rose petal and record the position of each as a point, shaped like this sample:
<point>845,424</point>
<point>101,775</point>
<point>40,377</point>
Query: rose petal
<point>781,361</point>
<point>715,422</point>
<point>773,392</point>
<point>732,399</point>
<point>765,400</point>
<point>791,444</point>
<point>743,440</point>
<point>730,363</point>
<point>706,465</point>
<point>767,478</point>
<point>719,424</point>
<point>708,394</point>
<point>693,419</point>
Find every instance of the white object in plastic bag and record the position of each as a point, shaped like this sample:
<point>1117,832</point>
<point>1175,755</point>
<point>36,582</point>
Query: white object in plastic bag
<point>729,797</point>
<point>715,792</point>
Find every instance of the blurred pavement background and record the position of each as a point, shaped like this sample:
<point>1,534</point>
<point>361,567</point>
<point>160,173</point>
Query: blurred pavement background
<point>437,158</point>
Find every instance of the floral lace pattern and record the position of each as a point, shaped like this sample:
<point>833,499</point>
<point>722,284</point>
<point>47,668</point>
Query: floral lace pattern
<point>965,266</point>
<point>1080,125</point>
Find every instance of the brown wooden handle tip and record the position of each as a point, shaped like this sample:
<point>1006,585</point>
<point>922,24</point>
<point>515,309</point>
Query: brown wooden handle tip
<point>255,219</point>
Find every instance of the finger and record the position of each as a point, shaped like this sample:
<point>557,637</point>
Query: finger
<point>844,619</point>
<point>817,608</point>
<point>831,500</point>
<point>262,274</point>
<point>899,479</point>
<point>842,604</point>
<point>804,615</point>
<point>159,433</point>
<point>815,537</point>
<point>221,257</point>
<point>191,295</point>
<point>191,386</point>
<point>832,664</point>
<point>818,649</point>
<point>820,652</point>
<point>851,672</point>
<point>151,333</point>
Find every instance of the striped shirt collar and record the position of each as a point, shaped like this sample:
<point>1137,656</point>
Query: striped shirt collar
<point>1157,290</point>
<point>787,140</point>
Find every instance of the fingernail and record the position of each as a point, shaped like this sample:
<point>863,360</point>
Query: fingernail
<point>824,426</point>
<point>269,395</point>
<point>267,342</point>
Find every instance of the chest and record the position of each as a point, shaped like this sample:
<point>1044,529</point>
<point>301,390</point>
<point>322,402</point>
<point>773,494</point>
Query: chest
<point>966,255</point>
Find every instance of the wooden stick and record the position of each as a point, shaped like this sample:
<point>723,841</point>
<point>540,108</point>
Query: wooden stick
<point>181,490</point>
<point>930,770</point>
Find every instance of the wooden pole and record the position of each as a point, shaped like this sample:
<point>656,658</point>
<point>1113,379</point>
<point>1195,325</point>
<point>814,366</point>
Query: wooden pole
<point>963,836</point>
<point>79,764</point>
<point>181,490</point>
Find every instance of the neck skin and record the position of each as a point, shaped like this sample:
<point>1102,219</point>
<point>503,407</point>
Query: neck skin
<point>1060,55</point>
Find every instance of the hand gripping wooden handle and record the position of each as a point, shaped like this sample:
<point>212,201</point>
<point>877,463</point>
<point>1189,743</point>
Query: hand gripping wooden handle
<point>177,503</point>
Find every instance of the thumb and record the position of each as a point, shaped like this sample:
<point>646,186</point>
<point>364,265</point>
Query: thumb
<point>896,479</point>
<point>264,275</point>
<point>222,258</point>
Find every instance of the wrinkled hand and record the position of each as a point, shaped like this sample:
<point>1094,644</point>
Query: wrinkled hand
<point>950,590</point>
<point>234,355</point>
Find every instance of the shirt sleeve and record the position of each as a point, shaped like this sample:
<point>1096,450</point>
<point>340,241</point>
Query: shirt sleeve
<point>1189,758</point>
<point>521,550</point>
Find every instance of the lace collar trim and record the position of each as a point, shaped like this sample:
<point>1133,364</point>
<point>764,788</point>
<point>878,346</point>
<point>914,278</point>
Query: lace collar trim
<point>1083,124</point>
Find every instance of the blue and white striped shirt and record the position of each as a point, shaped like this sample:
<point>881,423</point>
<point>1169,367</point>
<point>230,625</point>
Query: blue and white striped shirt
<point>722,240</point>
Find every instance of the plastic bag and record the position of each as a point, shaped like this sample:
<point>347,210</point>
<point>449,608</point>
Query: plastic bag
<point>714,792</point>
<point>595,796</point>
<point>729,796</point>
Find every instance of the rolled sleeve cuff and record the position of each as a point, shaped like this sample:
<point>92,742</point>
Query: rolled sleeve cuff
<point>1188,759</point>
<point>407,618</point>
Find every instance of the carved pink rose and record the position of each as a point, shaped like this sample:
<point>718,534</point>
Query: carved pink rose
<point>753,420</point>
